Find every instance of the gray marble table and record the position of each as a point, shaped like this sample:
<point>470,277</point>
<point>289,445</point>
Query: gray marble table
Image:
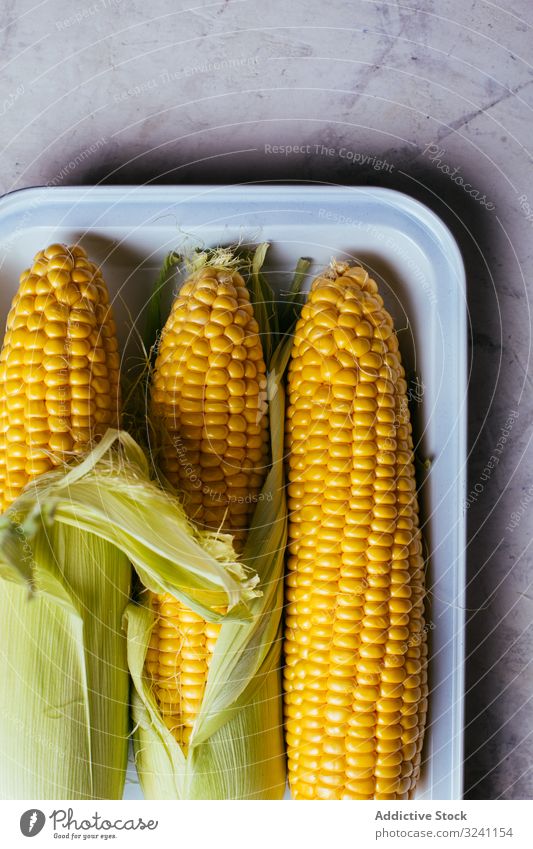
<point>432,98</point>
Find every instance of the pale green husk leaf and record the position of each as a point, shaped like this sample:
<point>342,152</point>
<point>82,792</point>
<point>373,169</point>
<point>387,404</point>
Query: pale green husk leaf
<point>110,494</point>
<point>64,694</point>
<point>65,551</point>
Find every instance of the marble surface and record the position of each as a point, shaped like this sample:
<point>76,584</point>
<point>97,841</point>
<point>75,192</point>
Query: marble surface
<point>441,94</point>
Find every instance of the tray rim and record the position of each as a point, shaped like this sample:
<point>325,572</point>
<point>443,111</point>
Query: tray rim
<point>9,201</point>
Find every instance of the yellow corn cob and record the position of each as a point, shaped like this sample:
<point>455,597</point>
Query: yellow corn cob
<point>356,654</point>
<point>209,410</point>
<point>59,368</point>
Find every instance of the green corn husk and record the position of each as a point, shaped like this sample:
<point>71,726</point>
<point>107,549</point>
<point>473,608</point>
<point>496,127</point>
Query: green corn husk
<point>64,694</point>
<point>236,750</point>
<point>65,551</point>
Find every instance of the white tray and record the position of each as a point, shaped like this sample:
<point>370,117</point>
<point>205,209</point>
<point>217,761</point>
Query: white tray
<point>405,247</point>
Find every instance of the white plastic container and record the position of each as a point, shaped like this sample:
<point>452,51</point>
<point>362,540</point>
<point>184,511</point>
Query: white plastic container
<point>417,263</point>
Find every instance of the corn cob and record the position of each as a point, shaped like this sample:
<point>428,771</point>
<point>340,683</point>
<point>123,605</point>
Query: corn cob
<point>355,644</point>
<point>59,371</point>
<point>209,409</point>
<point>59,368</point>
